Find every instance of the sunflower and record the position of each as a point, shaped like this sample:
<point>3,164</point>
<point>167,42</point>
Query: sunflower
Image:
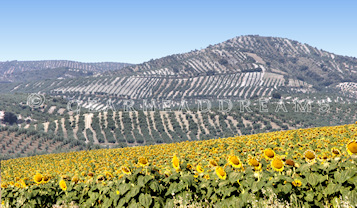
<point>199,169</point>
<point>167,173</point>
<point>189,166</point>
<point>352,148</point>
<point>75,179</point>
<point>100,178</point>
<point>335,152</point>
<point>277,164</point>
<point>255,164</point>
<point>176,162</point>
<point>125,170</point>
<point>221,173</point>
<point>63,185</point>
<point>310,156</point>
<point>269,154</point>
<point>4,185</point>
<point>297,183</point>
<point>108,175</point>
<point>143,161</point>
<point>235,161</point>
<point>38,178</point>
<point>206,177</point>
<point>23,184</point>
<point>290,162</point>
<point>17,185</point>
<point>90,174</point>
<point>213,163</point>
<point>45,179</point>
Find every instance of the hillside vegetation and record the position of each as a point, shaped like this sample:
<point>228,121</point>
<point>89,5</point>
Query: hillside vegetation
<point>19,142</point>
<point>155,127</point>
<point>17,71</point>
<point>242,67</point>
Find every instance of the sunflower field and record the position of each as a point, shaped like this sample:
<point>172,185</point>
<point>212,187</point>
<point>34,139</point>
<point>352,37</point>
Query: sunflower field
<point>297,168</point>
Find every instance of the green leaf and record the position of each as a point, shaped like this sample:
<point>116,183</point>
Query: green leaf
<point>351,197</point>
<point>134,191</point>
<point>304,168</point>
<point>287,188</point>
<point>155,186</point>
<point>158,202</point>
<point>142,180</point>
<point>312,179</point>
<point>123,188</point>
<point>188,180</point>
<point>223,183</point>
<point>309,196</point>
<point>233,177</point>
<point>343,176</point>
<point>336,202</point>
<point>172,189</point>
<point>322,178</point>
<point>145,200</point>
<point>107,203</point>
<point>331,189</point>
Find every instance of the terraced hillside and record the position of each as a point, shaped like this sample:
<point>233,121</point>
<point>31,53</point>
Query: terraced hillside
<point>15,71</point>
<point>242,67</point>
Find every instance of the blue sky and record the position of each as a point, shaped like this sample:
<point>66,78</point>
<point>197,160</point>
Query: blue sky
<point>136,31</point>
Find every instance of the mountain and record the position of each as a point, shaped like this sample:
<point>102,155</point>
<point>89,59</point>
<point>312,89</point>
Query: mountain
<point>17,71</point>
<point>242,67</point>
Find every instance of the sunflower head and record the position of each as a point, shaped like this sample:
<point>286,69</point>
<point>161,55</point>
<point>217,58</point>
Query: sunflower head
<point>213,163</point>
<point>176,162</point>
<point>63,185</point>
<point>199,169</point>
<point>269,154</point>
<point>255,164</point>
<point>234,161</point>
<point>23,184</point>
<point>310,156</point>
<point>143,161</point>
<point>221,173</point>
<point>90,174</point>
<point>189,166</point>
<point>100,178</point>
<point>290,162</point>
<point>277,164</point>
<point>4,185</point>
<point>352,148</point>
<point>297,183</point>
<point>125,170</point>
<point>38,178</point>
<point>167,173</point>
<point>45,178</point>
<point>335,152</point>
<point>75,179</point>
<point>108,175</point>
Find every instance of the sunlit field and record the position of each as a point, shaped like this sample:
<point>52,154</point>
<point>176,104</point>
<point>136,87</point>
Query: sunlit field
<point>304,167</point>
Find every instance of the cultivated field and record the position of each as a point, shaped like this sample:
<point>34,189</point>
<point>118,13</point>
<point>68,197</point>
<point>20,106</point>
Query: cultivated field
<point>304,167</point>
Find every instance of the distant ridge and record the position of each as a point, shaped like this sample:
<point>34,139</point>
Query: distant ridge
<point>9,69</point>
<point>241,67</point>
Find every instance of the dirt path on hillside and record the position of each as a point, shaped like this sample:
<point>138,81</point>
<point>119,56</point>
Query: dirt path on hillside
<point>88,125</point>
